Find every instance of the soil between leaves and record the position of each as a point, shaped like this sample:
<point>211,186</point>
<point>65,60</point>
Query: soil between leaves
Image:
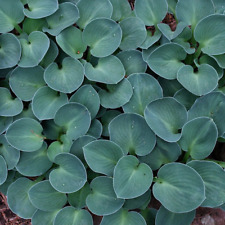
<point>7,217</point>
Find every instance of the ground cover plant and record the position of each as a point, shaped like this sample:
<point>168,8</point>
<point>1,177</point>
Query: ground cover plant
<point>104,106</point>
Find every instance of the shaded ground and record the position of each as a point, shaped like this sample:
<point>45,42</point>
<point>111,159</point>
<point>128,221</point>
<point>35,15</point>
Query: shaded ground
<point>207,216</point>
<point>6,215</point>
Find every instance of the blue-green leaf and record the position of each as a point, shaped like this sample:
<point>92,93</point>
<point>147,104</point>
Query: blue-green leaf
<point>131,132</point>
<point>24,82</point>
<point>103,195</point>
<point>46,103</point>
<point>10,50</point>
<point>131,178</point>
<point>65,78</point>
<point>44,197</point>
<point>166,117</point>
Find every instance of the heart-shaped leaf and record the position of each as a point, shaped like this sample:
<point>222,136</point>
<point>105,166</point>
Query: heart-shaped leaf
<point>214,185</point>
<point>166,117</point>
<point>40,9</point>
<point>46,103</point>
<point>66,78</point>
<point>9,106</point>
<point>10,154</point>
<point>123,217</point>
<point>70,176</point>
<point>210,43</point>
<point>132,61</point>
<point>25,135</point>
<point>44,197</point>
<point>100,72</point>
<point>10,50</point>
<point>150,11</point>
<point>131,178</point>
<point>38,162</point>
<point>103,36</point>
<point>134,33</point>
<point>116,95</point>
<point>18,200</point>
<point>24,82</point>
<point>166,60</point>
<point>32,54</point>
<point>163,153</point>
<point>190,11</point>
<point>66,15</point>
<point>92,9</point>
<point>103,194</point>
<point>3,170</point>
<point>199,137</point>
<point>164,216</point>
<point>199,83</point>
<point>43,218</point>
<point>72,216</point>
<point>9,16</point>
<point>74,118</point>
<point>143,94</point>
<point>71,42</point>
<point>211,105</point>
<point>102,156</point>
<point>177,196</point>
<point>168,33</point>
<point>134,134</point>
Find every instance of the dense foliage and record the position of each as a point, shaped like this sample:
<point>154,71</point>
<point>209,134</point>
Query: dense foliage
<point>103,106</point>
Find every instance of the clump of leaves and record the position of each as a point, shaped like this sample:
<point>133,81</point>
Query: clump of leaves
<point>103,105</point>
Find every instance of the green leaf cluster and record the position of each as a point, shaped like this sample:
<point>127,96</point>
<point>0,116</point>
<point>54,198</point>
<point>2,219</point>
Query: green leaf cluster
<point>104,105</point>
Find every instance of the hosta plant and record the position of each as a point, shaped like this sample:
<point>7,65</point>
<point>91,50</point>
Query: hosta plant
<point>104,106</point>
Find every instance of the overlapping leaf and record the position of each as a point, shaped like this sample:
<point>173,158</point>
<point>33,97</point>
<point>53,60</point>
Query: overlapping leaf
<point>132,134</point>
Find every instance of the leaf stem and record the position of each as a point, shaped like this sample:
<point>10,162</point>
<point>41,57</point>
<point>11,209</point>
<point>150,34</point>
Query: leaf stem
<point>186,156</point>
<point>18,28</point>
<point>40,178</point>
<point>88,55</point>
<point>157,180</point>
<point>198,52</point>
